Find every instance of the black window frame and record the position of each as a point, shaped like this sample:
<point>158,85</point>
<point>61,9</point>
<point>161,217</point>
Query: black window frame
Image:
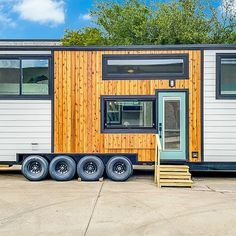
<point>150,76</point>
<point>105,98</point>
<point>219,56</point>
<point>21,96</point>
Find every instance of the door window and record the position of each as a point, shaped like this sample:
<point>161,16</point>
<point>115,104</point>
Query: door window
<point>172,124</point>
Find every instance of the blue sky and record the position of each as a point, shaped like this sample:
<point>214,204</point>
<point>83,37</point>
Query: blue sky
<point>43,19</point>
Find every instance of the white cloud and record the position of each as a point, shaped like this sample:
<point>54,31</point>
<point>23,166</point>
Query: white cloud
<point>42,11</point>
<point>86,17</point>
<point>228,6</point>
<point>5,19</point>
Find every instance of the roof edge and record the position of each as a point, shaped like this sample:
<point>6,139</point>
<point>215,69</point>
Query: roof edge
<point>118,48</point>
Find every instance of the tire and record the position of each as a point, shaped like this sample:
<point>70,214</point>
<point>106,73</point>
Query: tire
<point>119,168</point>
<point>35,168</point>
<point>62,168</point>
<point>90,168</point>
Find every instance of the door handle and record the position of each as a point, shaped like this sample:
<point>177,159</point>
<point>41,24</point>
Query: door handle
<point>160,130</point>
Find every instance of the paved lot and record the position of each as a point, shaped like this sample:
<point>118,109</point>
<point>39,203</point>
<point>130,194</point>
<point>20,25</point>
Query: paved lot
<point>135,207</point>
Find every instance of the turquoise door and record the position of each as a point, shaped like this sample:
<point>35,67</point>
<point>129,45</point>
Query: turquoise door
<point>172,125</point>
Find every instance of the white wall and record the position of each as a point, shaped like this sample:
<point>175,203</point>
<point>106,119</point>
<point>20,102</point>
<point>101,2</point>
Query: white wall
<point>219,116</point>
<point>23,122</point>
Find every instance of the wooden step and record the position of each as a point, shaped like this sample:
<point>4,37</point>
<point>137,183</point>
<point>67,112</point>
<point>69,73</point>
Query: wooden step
<point>4,166</point>
<point>173,170</point>
<point>175,166</point>
<point>179,184</point>
<point>175,183</point>
<point>175,177</point>
<point>175,173</point>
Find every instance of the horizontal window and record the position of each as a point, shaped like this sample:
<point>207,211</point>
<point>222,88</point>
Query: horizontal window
<point>226,76</point>
<point>128,114</point>
<point>24,76</point>
<point>145,66</point>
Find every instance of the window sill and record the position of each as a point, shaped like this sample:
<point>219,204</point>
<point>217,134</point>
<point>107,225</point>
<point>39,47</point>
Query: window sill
<point>127,131</point>
<point>25,97</point>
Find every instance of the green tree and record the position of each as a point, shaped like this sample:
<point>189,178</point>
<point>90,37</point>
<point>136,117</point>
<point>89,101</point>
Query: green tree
<point>86,36</point>
<point>134,22</point>
<point>223,25</point>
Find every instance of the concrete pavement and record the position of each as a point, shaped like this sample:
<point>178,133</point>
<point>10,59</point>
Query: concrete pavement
<point>135,207</point>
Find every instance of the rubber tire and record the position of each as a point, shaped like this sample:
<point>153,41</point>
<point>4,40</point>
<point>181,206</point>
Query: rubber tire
<point>90,177</point>
<point>115,176</point>
<point>35,177</point>
<point>71,165</point>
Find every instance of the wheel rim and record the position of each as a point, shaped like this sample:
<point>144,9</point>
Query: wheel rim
<point>119,168</point>
<point>34,167</point>
<point>90,168</point>
<point>61,168</point>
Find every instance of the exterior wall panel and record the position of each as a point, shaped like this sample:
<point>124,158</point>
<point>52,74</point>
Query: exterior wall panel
<point>78,88</point>
<point>25,127</point>
<point>219,116</point>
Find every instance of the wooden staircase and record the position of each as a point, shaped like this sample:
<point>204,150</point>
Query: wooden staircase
<point>170,175</point>
<point>175,176</point>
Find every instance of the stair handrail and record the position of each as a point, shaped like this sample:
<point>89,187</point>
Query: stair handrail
<point>158,149</point>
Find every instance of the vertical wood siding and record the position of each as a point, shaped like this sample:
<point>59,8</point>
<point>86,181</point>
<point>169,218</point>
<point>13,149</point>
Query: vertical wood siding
<point>78,87</point>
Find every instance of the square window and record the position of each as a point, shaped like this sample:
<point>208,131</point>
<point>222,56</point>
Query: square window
<point>9,77</point>
<point>128,114</point>
<point>225,76</point>
<point>35,77</point>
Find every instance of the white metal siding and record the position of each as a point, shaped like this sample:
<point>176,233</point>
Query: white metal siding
<point>219,116</point>
<point>25,127</point>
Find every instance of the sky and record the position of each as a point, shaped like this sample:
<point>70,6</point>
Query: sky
<point>43,19</point>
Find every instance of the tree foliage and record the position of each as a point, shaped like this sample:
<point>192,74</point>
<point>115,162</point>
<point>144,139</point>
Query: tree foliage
<point>134,22</point>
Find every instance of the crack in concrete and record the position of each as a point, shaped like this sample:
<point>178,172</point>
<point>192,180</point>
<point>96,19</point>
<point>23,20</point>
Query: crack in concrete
<point>12,218</point>
<point>219,191</point>
<point>93,210</point>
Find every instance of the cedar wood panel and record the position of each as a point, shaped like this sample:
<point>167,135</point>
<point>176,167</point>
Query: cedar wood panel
<point>78,87</point>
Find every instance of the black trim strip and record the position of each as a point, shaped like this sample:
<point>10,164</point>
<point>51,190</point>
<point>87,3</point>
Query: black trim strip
<point>123,48</point>
<point>51,91</point>
<point>202,105</point>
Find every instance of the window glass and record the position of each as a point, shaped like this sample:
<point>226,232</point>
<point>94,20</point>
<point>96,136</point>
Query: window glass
<point>172,125</point>
<point>35,77</point>
<point>145,66</point>
<point>125,114</point>
<point>228,76</point>
<point>9,77</point>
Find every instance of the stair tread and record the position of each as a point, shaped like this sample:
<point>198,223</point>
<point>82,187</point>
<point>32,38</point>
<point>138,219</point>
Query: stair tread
<point>175,166</point>
<point>174,170</point>
<point>176,177</point>
<point>176,185</point>
<point>174,173</point>
<point>175,180</point>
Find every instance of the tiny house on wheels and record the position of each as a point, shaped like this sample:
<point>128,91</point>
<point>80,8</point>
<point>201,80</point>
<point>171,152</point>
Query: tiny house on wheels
<point>91,110</point>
